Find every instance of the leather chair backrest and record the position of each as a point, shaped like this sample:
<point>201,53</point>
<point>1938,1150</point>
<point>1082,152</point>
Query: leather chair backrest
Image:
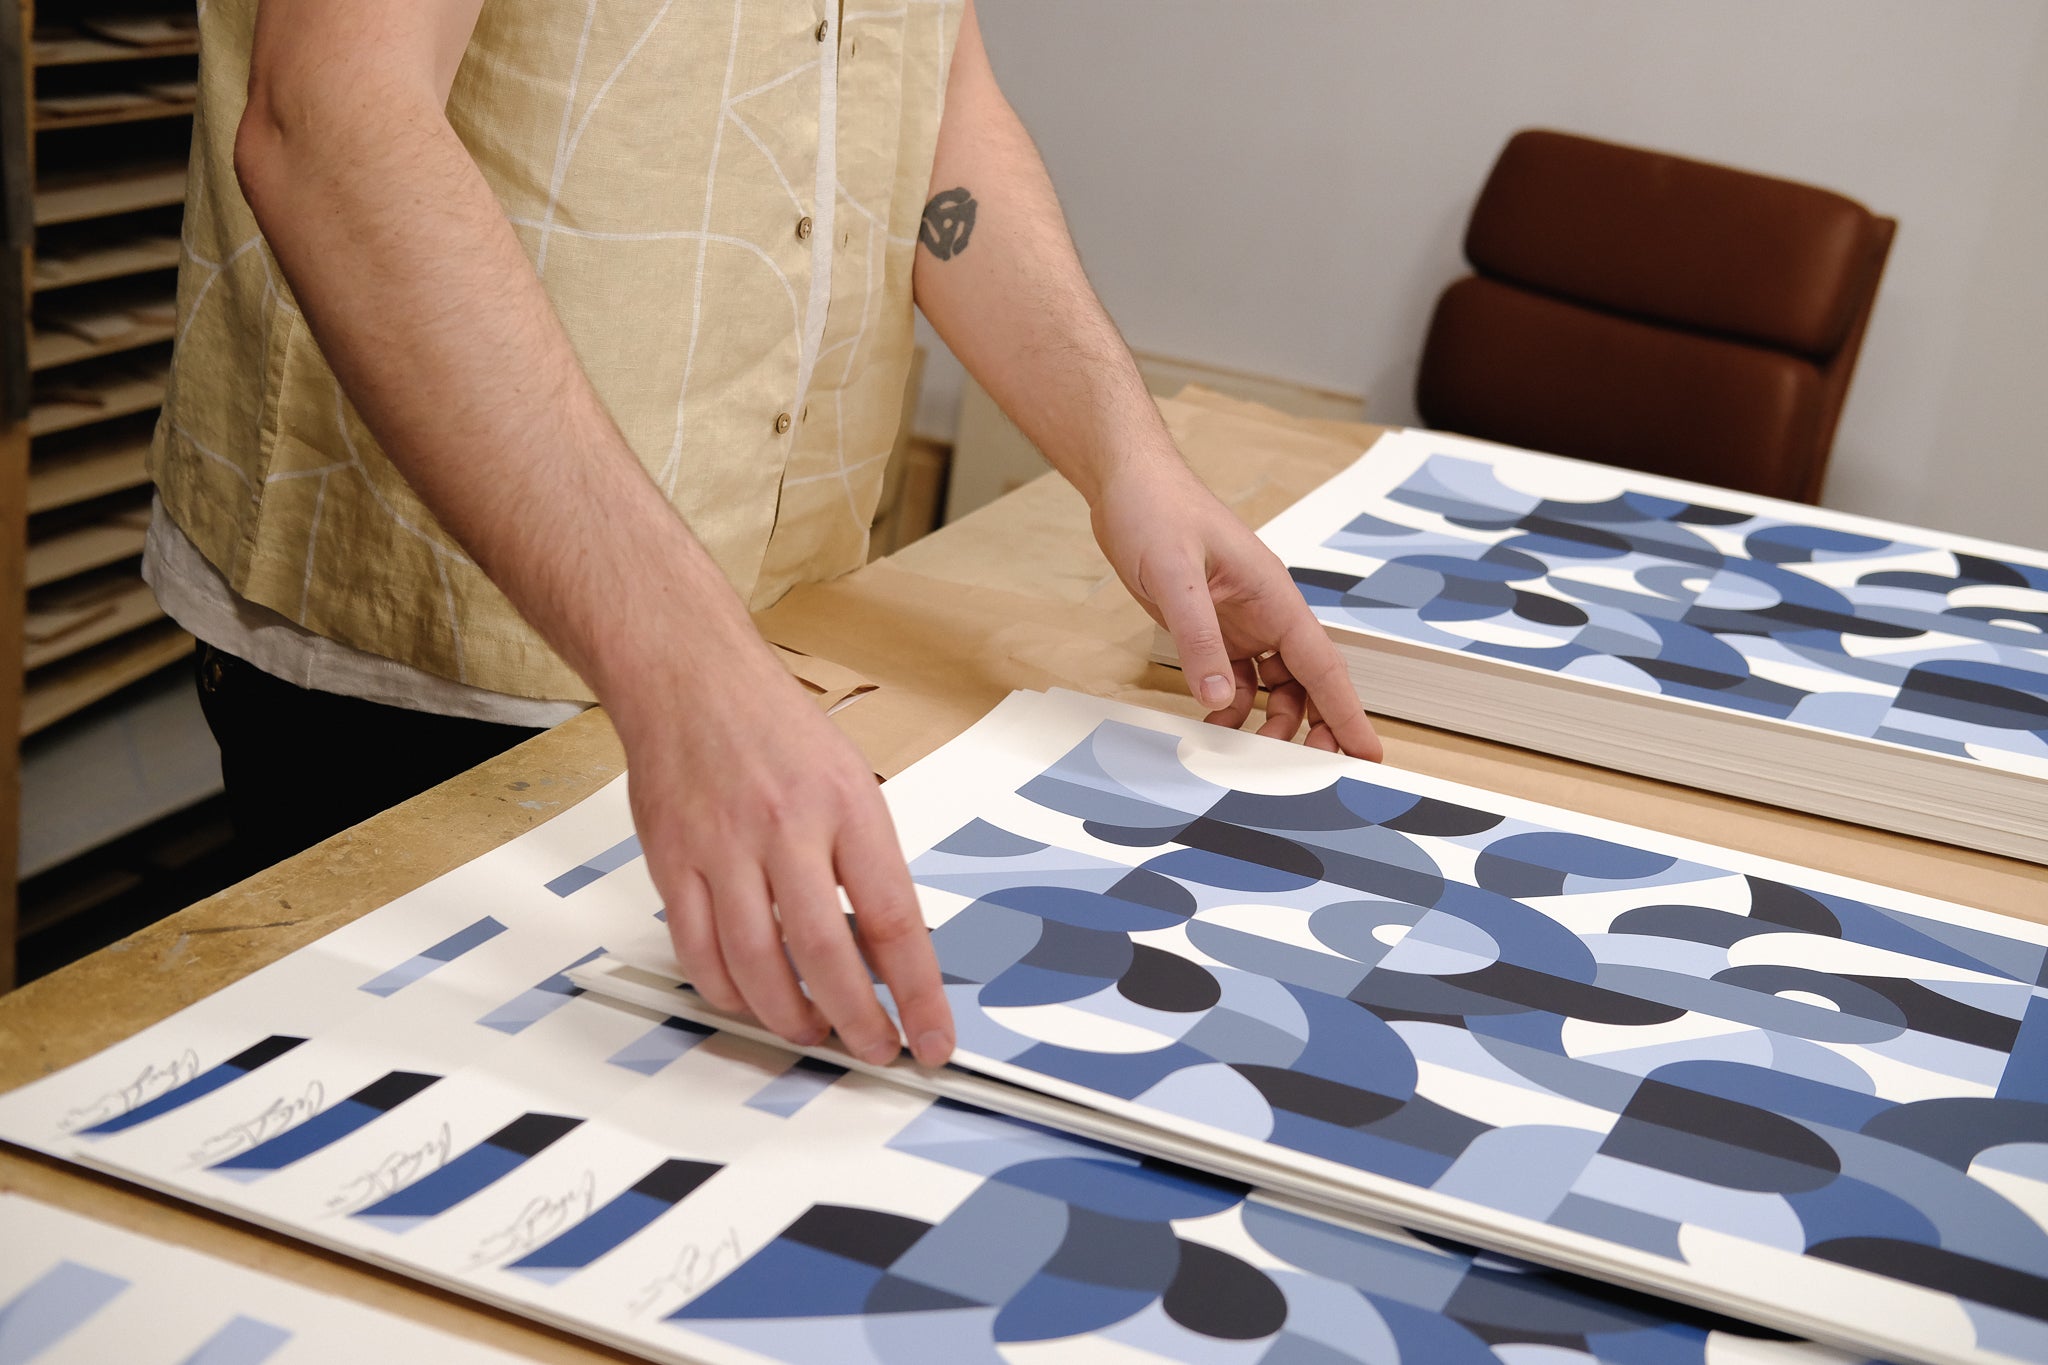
<point>1648,311</point>
<point>1670,240</point>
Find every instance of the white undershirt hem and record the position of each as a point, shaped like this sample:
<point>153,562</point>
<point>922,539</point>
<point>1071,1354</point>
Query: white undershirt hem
<point>193,593</point>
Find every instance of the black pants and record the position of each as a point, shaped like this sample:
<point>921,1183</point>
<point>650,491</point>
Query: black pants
<point>302,765</point>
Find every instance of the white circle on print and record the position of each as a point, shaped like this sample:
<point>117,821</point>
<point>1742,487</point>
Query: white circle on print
<point>2009,597</point>
<point>1079,1029</point>
<point>1262,921</point>
<point>1729,591</point>
<point>1265,769</point>
<point>1214,1094</point>
<point>1810,998</point>
<point>1438,944</point>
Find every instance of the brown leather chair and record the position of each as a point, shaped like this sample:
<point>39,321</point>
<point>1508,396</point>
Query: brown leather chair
<point>1656,313</point>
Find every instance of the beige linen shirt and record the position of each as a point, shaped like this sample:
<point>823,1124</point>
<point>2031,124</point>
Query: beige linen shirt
<point>721,198</point>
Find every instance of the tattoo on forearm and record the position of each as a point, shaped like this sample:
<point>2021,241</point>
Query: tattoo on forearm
<point>948,223</point>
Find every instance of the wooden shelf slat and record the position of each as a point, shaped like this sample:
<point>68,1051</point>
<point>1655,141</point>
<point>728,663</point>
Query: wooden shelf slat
<point>118,398</point>
<point>93,472</point>
<point>71,687</point>
<point>78,196</point>
<point>48,122</point>
<point>118,98</point>
<point>77,49</point>
<point>134,257</point>
<point>47,350</point>
<point>84,548</point>
<point>116,612</point>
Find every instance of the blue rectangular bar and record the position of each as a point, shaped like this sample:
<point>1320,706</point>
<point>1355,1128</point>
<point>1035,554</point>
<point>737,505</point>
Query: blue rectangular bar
<point>2026,1067</point>
<point>328,1126</point>
<point>476,1169</point>
<point>446,951</point>
<point>660,1190</point>
<point>205,1083</point>
<point>57,1303</point>
<point>659,1046</point>
<point>244,1341</point>
<point>611,860</point>
<point>531,1006</point>
<point>796,1087</point>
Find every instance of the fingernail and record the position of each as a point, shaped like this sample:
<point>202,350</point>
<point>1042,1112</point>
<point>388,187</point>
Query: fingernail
<point>1216,691</point>
<point>933,1047</point>
<point>880,1053</point>
<point>811,1037</point>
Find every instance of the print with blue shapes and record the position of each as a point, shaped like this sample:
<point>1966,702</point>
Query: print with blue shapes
<point>1601,1037</point>
<point>1854,634</point>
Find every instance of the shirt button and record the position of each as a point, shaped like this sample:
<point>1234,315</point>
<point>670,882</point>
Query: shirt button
<point>803,228</point>
<point>781,424</point>
<point>824,27</point>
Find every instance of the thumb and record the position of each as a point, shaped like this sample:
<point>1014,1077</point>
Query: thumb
<point>1190,615</point>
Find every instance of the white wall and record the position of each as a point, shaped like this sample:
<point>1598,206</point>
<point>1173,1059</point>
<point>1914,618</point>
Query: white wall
<point>1281,186</point>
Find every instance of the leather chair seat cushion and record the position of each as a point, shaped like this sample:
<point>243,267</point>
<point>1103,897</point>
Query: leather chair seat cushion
<point>1508,365</point>
<point>1674,240</point>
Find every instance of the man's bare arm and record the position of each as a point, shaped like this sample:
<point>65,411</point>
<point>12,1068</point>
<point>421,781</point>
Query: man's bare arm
<point>430,313</point>
<point>998,276</point>
<point>428,310</point>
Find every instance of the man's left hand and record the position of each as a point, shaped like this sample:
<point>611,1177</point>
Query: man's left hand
<point>1237,619</point>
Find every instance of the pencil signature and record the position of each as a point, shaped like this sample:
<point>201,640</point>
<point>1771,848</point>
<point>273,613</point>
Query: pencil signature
<point>393,1172</point>
<point>543,1217</point>
<point>284,1112</point>
<point>695,1269</point>
<point>155,1080</point>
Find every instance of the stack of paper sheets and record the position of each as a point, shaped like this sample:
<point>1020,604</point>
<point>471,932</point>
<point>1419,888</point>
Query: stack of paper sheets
<point>1834,664</point>
<point>1348,999</point>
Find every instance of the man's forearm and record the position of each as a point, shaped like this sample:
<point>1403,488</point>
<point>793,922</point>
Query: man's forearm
<point>753,811</point>
<point>998,277</point>
<point>432,318</point>
<point>1009,296</point>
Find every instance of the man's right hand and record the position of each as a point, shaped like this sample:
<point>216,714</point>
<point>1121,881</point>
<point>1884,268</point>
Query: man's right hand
<point>753,815</point>
<point>754,810</point>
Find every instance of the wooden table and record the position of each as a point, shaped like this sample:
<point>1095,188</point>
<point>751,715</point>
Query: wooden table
<point>1014,595</point>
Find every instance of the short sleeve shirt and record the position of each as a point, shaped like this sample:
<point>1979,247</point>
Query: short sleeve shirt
<point>721,198</point>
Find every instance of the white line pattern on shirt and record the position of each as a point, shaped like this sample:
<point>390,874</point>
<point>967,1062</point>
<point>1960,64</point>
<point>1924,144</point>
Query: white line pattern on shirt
<point>561,166</point>
<point>673,464</point>
<point>313,545</point>
<point>590,110</point>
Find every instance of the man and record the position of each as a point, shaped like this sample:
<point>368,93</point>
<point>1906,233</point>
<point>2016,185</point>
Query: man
<point>480,297</point>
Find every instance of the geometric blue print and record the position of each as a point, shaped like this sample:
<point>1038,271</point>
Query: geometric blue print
<point>1067,1239</point>
<point>1858,634</point>
<point>1368,976</point>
